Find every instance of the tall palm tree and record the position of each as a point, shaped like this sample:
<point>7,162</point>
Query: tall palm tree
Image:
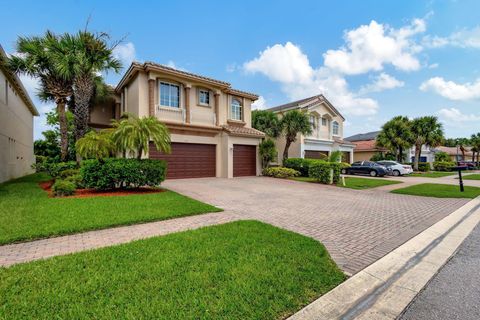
<point>475,142</point>
<point>293,123</point>
<point>396,136</point>
<point>426,131</point>
<point>35,57</point>
<point>134,134</point>
<point>82,57</point>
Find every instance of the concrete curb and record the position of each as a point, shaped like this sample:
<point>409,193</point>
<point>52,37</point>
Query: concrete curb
<point>385,288</point>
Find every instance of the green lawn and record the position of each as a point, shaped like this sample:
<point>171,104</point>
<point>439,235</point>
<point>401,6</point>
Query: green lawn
<point>439,191</point>
<point>355,183</point>
<point>27,213</point>
<point>475,176</point>
<point>239,270</point>
<point>432,174</point>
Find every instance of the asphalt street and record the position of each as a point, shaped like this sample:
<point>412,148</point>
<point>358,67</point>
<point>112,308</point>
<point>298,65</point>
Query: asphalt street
<point>454,293</point>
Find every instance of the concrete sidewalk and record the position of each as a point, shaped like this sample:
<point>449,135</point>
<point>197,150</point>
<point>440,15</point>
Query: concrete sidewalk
<point>384,289</point>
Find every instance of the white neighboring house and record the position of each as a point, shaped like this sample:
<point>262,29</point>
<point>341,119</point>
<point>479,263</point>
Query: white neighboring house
<point>327,135</point>
<point>16,125</point>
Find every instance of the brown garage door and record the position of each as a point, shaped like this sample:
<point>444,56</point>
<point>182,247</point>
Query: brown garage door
<point>188,160</point>
<point>244,160</point>
<point>311,154</point>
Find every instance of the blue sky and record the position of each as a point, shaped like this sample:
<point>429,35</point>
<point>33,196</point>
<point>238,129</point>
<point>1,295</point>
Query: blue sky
<point>372,59</point>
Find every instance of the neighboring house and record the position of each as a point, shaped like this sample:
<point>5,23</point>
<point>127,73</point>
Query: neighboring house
<point>327,134</point>
<point>365,148</point>
<point>16,125</point>
<point>456,154</point>
<point>209,121</point>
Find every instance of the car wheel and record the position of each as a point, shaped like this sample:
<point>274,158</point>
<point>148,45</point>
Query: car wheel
<point>344,171</point>
<point>373,173</point>
<point>396,173</point>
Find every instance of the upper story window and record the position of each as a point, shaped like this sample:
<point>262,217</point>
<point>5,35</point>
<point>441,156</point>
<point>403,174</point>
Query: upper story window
<point>324,122</point>
<point>236,110</point>
<point>203,97</point>
<point>169,95</point>
<point>313,121</point>
<point>335,128</point>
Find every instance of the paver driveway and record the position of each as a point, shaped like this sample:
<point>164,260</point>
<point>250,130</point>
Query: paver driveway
<point>357,226</point>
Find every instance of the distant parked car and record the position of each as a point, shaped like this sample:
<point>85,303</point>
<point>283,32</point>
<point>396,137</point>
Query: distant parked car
<point>396,169</point>
<point>366,167</point>
<point>469,164</point>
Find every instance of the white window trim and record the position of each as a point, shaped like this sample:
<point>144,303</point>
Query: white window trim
<point>199,91</point>
<point>333,128</point>
<point>159,90</point>
<point>231,109</point>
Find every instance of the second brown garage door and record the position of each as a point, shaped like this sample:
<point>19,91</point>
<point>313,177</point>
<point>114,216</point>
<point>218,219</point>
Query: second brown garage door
<point>312,154</point>
<point>188,160</point>
<point>244,160</point>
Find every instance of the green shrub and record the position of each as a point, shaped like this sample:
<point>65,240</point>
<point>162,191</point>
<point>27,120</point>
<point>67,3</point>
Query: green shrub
<point>441,156</point>
<point>77,180</point>
<point>119,173</point>
<point>268,152</point>
<point>41,163</point>
<point>444,165</point>
<point>424,166</point>
<point>280,172</point>
<point>67,173</point>
<point>325,172</point>
<point>299,164</point>
<point>379,156</point>
<point>55,168</point>
<point>63,188</point>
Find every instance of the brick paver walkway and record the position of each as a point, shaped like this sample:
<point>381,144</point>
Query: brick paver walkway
<point>357,227</point>
<point>23,252</point>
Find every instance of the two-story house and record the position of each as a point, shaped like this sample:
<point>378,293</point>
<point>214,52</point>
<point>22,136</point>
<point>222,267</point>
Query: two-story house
<point>327,135</point>
<point>16,125</point>
<point>209,121</point>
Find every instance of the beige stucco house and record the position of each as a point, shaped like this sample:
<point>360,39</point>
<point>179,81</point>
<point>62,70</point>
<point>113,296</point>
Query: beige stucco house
<point>16,125</point>
<point>327,134</point>
<point>209,121</point>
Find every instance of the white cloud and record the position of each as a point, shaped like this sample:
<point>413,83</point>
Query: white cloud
<point>433,66</point>
<point>125,53</point>
<point>283,63</point>
<point>289,66</point>
<point>465,38</point>
<point>455,115</point>
<point>232,67</point>
<point>370,47</point>
<point>260,104</point>
<point>382,82</point>
<point>452,90</point>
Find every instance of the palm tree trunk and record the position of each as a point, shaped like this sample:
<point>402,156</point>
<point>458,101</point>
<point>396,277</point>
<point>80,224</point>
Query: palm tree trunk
<point>418,152</point>
<point>62,119</point>
<point>83,92</point>
<point>288,142</point>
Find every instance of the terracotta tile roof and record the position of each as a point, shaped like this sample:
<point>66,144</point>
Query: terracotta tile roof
<point>242,131</point>
<point>452,151</point>
<point>341,141</point>
<point>366,145</point>
<point>309,101</point>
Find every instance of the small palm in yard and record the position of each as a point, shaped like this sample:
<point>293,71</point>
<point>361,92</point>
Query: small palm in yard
<point>133,134</point>
<point>293,123</point>
<point>96,145</point>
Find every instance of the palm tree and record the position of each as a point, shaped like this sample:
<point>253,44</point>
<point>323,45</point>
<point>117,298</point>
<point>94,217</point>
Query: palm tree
<point>134,134</point>
<point>96,145</point>
<point>475,142</point>
<point>396,136</point>
<point>426,131</point>
<point>81,57</point>
<point>267,122</point>
<point>293,123</point>
<point>35,58</point>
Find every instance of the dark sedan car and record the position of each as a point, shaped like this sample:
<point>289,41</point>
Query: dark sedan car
<point>366,167</point>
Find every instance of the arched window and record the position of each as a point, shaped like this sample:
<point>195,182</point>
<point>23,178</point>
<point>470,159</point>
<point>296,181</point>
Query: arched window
<point>335,128</point>
<point>236,110</point>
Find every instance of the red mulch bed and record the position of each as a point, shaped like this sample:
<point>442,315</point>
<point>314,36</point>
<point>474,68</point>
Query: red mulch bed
<point>88,193</point>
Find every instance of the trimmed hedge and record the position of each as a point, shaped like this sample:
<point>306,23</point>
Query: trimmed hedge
<point>54,168</point>
<point>77,180</point>
<point>325,172</point>
<point>122,173</point>
<point>444,165</point>
<point>299,164</point>
<point>67,173</point>
<point>63,188</point>
<point>280,172</point>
